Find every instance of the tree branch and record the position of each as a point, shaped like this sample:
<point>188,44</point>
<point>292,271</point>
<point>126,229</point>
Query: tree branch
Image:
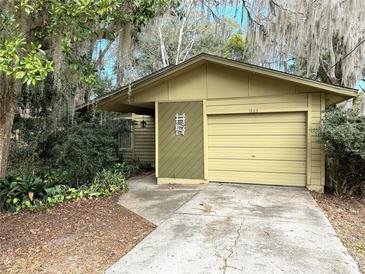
<point>215,17</point>
<point>285,9</point>
<point>164,55</point>
<point>346,55</point>
<point>102,53</point>
<point>250,18</point>
<point>181,31</point>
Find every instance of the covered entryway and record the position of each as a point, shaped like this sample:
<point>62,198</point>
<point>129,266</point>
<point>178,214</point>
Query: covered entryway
<point>267,148</point>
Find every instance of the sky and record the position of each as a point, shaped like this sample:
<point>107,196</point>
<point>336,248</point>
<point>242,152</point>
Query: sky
<point>108,69</point>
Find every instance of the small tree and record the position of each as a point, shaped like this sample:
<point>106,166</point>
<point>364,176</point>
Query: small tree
<point>236,47</point>
<point>343,134</point>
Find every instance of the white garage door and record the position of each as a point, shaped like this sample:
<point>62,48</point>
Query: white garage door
<point>265,148</point>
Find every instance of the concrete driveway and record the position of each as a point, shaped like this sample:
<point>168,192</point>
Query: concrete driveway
<point>223,228</point>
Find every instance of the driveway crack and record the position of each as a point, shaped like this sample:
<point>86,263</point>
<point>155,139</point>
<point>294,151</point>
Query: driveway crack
<point>231,249</point>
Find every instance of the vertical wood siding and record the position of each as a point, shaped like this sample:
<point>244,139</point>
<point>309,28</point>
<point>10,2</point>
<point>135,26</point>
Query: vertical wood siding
<point>180,156</point>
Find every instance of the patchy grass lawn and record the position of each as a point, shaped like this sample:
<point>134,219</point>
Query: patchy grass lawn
<point>84,236</point>
<point>347,217</point>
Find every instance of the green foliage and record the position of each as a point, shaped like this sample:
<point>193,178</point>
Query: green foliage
<point>236,47</point>
<point>26,191</point>
<point>343,131</point>
<point>361,247</point>
<point>18,60</point>
<point>107,182</point>
<point>34,31</point>
<point>79,150</point>
<point>130,168</point>
<point>358,100</point>
<point>83,20</point>
<point>343,134</point>
<point>41,190</point>
<point>126,168</point>
<point>21,54</point>
<point>87,148</point>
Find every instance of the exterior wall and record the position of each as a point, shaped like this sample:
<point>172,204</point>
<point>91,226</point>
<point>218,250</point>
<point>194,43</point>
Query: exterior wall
<point>285,103</point>
<point>212,81</point>
<point>180,157</point>
<point>316,157</point>
<point>223,90</point>
<point>143,140</point>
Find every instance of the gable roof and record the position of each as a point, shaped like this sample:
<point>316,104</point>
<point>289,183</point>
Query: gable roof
<point>202,58</point>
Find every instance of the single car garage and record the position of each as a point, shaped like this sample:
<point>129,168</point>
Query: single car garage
<point>218,120</point>
<point>258,148</point>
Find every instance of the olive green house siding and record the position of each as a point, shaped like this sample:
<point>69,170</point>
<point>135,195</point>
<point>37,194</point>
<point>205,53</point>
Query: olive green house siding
<point>142,147</point>
<point>244,124</point>
<point>181,156</point>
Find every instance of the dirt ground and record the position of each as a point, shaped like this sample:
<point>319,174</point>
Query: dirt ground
<point>75,237</point>
<point>347,217</point>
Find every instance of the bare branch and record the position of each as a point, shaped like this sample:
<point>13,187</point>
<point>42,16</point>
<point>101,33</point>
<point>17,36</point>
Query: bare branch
<point>181,31</point>
<point>98,62</point>
<point>188,49</point>
<point>347,55</point>
<point>250,18</point>
<point>285,9</point>
<point>164,56</point>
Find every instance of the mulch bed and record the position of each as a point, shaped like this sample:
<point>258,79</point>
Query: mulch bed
<point>347,217</point>
<point>85,236</point>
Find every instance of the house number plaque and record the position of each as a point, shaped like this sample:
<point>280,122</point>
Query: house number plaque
<point>180,124</point>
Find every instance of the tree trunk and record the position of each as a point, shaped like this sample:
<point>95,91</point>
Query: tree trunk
<point>81,92</point>
<point>9,91</point>
<point>181,31</point>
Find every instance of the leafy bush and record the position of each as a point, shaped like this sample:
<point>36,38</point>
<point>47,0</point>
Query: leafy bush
<point>25,191</point>
<point>86,149</point>
<point>343,134</point>
<point>130,168</point>
<point>81,147</point>
<point>17,193</point>
<point>107,182</point>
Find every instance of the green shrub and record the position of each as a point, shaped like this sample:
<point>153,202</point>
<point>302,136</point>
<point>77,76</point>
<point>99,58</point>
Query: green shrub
<point>130,168</point>
<point>343,134</point>
<point>81,148</point>
<point>25,191</point>
<point>107,182</point>
<point>86,149</point>
<point>17,193</point>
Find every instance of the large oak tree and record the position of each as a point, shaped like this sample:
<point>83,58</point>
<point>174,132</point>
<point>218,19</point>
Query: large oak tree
<point>38,37</point>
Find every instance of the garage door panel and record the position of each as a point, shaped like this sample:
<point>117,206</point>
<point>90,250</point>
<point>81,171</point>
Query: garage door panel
<point>258,118</point>
<point>258,148</point>
<point>258,166</point>
<point>267,129</point>
<point>257,178</point>
<point>258,141</point>
<point>294,154</point>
